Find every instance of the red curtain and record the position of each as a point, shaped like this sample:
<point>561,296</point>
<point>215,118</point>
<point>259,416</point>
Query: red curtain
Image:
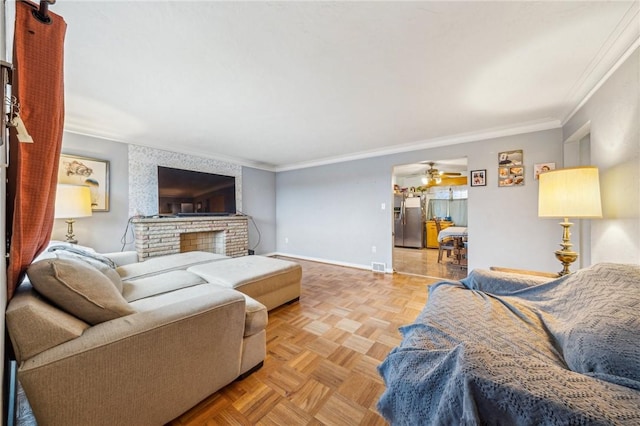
<point>33,167</point>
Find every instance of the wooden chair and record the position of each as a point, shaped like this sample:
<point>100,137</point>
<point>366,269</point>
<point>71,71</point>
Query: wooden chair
<point>446,245</point>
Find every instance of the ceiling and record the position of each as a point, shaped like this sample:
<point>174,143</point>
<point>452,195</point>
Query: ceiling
<point>281,85</point>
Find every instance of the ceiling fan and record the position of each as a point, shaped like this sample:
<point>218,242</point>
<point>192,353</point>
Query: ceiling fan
<point>434,176</point>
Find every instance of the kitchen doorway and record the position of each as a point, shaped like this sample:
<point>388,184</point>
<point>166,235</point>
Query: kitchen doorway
<point>421,192</point>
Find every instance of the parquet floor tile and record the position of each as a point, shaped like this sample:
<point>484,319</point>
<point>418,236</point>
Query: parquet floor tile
<point>322,353</point>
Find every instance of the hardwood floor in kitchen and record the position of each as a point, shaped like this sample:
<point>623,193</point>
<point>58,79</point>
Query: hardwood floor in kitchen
<point>425,262</point>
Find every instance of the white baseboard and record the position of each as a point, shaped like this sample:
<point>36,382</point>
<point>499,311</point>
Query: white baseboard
<point>329,261</point>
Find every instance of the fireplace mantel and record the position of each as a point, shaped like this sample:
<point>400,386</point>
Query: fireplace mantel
<point>161,236</point>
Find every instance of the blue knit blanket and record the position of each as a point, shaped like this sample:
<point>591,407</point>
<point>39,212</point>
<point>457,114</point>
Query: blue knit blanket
<point>499,349</point>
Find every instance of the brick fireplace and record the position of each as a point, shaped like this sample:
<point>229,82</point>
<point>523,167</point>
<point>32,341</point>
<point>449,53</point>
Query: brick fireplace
<point>211,241</point>
<point>226,235</point>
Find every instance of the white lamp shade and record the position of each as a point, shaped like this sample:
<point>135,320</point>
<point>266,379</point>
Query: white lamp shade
<point>72,201</point>
<point>572,192</point>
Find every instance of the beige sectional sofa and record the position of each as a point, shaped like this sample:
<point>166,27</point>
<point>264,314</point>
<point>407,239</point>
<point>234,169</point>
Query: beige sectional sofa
<point>138,346</point>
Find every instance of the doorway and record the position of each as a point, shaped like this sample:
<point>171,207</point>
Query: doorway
<point>577,152</point>
<point>439,188</point>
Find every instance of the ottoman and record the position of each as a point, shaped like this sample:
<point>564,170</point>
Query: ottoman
<point>270,281</point>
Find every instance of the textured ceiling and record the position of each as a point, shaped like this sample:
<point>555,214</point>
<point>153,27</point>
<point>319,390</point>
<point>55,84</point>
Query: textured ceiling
<point>285,84</point>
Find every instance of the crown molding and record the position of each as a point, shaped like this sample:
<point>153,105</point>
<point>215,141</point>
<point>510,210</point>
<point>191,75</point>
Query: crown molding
<point>232,160</point>
<point>424,144</point>
<point>522,128</point>
<point>620,44</point>
<point>603,80</point>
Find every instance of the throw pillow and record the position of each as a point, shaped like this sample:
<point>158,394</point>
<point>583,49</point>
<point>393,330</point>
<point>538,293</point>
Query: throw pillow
<point>100,266</point>
<point>79,289</point>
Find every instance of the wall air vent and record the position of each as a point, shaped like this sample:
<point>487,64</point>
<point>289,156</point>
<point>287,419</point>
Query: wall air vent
<point>378,267</point>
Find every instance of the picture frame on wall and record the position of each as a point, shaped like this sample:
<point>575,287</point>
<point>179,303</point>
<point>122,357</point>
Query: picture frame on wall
<point>478,177</point>
<point>92,172</point>
<point>541,168</point>
<point>510,158</point>
<point>511,168</point>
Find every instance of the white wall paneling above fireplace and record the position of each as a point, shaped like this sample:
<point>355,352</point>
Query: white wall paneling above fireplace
<point>143,175</point>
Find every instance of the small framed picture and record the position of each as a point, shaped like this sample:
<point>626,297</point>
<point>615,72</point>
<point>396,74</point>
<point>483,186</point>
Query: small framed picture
<point>87,171</point>
<point>511,176</point>
<point>479,177</point>
<point>541,168</point>
<point>510,158</point>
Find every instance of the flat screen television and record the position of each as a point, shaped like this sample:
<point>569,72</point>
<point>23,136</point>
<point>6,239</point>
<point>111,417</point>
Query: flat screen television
<point>187,192</point>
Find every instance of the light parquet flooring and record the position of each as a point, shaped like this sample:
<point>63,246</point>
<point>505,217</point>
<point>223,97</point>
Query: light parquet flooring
<point>322,353</point>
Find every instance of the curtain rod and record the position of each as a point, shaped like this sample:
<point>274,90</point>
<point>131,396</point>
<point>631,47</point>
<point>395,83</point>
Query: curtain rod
<point>42,14</point>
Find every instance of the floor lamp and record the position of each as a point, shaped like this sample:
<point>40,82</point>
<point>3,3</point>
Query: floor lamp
<point>72,202</point>
<point>565,193</point>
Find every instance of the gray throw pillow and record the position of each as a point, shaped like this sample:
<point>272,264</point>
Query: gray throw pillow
<point>79,289</point>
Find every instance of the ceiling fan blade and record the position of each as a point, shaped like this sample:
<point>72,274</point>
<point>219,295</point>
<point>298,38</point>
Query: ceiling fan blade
<point>450,173</point>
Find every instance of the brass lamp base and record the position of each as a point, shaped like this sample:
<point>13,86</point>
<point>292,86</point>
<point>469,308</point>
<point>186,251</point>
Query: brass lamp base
<point>566,256</point>
<point>70,237</point>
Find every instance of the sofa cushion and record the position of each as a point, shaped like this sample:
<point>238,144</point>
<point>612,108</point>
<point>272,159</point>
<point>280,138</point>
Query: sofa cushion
<point>166,263</point>
<point>152,303</point>
<point>158,284</point>
<point>35,325</point>
<point>79,289</point>
<point>256,317</point>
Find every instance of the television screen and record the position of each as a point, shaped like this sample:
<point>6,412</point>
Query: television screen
<point>189,192</point>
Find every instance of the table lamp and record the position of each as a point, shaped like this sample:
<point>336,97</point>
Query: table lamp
<point>72,201</point>
<point>564,193</point>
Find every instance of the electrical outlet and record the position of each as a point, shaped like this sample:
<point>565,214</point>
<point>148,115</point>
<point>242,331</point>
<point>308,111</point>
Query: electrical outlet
<point>286,240</point>
<point>383,206</point>
<point>373,249</point>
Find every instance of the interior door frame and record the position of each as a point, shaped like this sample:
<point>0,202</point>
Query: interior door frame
<point>576,152</point>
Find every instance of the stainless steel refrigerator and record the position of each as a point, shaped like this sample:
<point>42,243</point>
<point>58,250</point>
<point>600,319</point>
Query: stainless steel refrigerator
<point>408,215</point>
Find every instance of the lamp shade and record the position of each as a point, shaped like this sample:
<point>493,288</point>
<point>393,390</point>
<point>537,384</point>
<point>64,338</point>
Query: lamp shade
<point>572,192</point>
<point>72,201</point>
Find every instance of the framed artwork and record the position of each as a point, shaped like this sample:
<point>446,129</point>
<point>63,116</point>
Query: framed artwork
<point>87,171</point>
<point>511,168</point>
<point>541,168</point>
<point>478,177</point>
